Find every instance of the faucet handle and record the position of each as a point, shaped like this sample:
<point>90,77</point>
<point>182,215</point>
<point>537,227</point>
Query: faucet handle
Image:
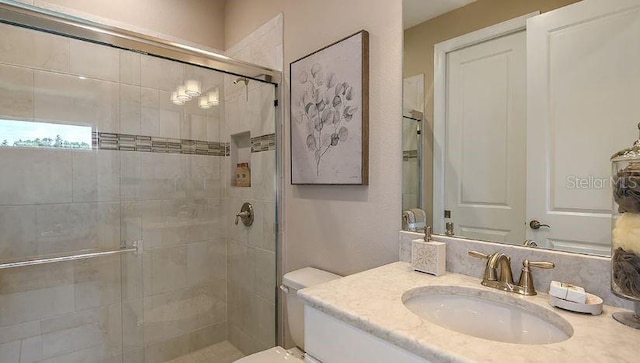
<point>477,254</point>
<point>526,278</point>
<point>546,265</point>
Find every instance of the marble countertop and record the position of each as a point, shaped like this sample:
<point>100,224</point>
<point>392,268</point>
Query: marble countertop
<point>372,301</point>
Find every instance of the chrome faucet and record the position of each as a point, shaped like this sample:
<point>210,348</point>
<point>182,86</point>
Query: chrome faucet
<point>498,274</point>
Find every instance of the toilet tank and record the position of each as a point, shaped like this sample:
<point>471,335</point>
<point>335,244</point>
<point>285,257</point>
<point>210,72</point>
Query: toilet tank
<point>294,281</point>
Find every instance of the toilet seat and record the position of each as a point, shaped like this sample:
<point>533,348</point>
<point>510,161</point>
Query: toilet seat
<point>273,355</point>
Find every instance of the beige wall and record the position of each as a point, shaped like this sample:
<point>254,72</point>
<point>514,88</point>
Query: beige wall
<point>418,52</point>
<point>198,21</point>
<point>343,229</point>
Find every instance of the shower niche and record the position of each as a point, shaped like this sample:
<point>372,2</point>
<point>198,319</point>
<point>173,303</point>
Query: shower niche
<point>240,154</point>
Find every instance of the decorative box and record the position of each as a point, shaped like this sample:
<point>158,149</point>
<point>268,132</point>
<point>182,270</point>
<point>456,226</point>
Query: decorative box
<point>429,257</point>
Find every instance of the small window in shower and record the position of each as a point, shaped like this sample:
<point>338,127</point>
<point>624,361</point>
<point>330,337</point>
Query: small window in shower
<point>44,135</point>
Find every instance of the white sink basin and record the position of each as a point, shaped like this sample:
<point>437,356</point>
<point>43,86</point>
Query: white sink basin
<point>488,315</point>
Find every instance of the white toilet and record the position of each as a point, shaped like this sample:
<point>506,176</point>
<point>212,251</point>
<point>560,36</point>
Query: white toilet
<point>292,282</point>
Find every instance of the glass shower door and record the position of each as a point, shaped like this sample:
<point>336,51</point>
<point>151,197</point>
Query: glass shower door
<point>128,162</point>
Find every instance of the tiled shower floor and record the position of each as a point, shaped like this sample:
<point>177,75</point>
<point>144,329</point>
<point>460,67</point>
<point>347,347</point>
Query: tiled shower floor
<point>222,352</point>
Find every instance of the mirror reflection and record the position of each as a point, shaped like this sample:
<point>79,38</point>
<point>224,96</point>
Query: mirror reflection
<point>524,106</point>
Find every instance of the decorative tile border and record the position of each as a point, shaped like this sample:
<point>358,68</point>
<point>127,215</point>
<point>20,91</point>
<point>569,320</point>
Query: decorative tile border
<point>409,154</point>
<point>125,142</point>
<point>263,143</point>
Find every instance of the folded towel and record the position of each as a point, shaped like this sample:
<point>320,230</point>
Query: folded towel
<point>409,216</point>
<point>420,215</point>
<point>414,220</point>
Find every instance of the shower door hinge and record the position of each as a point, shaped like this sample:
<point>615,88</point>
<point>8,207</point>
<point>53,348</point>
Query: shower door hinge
<point>275,103</point>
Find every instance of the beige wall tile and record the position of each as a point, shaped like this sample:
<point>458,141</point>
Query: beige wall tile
<point>10,352</point>
<point>149,122</point>
<point>204,176</point>
<point>18,238</point>
<point>175,222</point>
<point>34,49</point>
<point>130,109</point>
<point>149,97</point>
<point>265,275</point>
<point>161,176</point>
<point>264,326</point>
<point>169,124</point>
<point>35,176</point>
<point>167,350</point>
<point>130,68</point>
<point>203,338</point>
<point>246,344</point>
<point>32,305</point>
<point>238,233</point>
<point>16,92</point>
<point>69,99</point>
<point>215,120</point>
<point>161,74</point>
<point>182,311</point>
<point>95,354</point>
<point>133,327</point>
<point>97,282</point>
<point>134,356</point>
<point>20,331</point>
<point>94,61</point>
<point>168,268</point>
<point>240,262</point>
<point>82,330</point>
<point>268,227</point>
<point>255,231</point>
<point>96,176</point>
<point>31,350</point>
<point>132,271</point>
<point>130,170</point>
<point>73,227</point>
<point>31,278</point>
<point>207,262</point>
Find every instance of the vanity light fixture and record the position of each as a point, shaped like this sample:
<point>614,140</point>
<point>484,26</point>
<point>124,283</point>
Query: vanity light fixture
<point>175,99</point>
<point>209,100</point>
<point>203,103</point>
<point>182,94</point>
<point>192,88</point>
<point>214,97</point>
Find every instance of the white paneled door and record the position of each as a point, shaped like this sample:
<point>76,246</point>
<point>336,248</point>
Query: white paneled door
<point>583,105</point>
<point>485,139</point>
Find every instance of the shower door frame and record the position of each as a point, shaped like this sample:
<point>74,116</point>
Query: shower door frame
<point>27,16</point>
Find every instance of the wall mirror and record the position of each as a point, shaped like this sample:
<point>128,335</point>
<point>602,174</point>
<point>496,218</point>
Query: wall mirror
<point>524,106</point>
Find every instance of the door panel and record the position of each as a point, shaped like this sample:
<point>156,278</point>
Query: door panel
<point>583,82</point>
<point>485,153</point>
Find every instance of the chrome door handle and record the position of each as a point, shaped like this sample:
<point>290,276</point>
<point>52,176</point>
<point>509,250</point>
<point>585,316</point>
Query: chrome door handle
<point>534,224</point>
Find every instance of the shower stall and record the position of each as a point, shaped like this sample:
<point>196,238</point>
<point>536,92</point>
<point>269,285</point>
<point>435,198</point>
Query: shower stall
<point>124,162</point>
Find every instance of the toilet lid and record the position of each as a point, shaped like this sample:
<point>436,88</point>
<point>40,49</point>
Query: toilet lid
<point>273,355</point>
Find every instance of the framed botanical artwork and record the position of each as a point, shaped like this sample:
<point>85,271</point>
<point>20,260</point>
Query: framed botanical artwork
<point>330,114</point>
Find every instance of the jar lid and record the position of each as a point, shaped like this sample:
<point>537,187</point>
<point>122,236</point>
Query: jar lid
<point>628,153</point>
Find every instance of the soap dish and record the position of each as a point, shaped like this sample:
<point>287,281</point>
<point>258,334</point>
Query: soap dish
<point>593,305</point>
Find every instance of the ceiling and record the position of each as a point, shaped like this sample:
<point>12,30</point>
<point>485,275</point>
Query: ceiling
<point>415,12</point>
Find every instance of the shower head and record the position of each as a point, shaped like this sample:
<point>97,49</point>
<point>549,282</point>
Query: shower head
<point>241,79</point>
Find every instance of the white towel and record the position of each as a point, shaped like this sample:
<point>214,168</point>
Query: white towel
<point>414,220</point>
<point>420,215</point>
<point>408,218</point>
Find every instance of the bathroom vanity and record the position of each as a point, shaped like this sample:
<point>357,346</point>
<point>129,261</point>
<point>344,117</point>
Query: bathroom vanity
<point>366,317</point>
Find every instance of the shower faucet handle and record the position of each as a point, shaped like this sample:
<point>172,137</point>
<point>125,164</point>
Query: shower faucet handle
<point>245,214</point>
